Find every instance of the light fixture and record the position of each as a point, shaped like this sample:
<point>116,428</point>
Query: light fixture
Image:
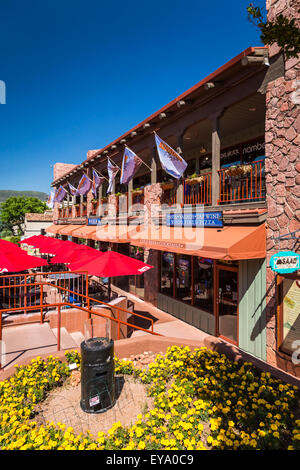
<point>202,149</point>
<point>252,109</point>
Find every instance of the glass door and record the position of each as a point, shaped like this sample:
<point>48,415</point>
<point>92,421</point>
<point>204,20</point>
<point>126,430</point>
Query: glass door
<point>227,303</point>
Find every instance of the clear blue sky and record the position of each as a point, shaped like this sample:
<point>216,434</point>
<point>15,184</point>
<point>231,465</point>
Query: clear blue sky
<point>80,73</point>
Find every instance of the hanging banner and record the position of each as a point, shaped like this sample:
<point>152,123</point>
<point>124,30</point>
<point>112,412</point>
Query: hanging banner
<point>285,262</point>
<point>72,189</point>
<point>97,181</point>
<point>60,194</point>
<point>112,170</point>
<point>84,185</point>
<point>171,161</point>
<point>50,202</point>
<point>130,164</point>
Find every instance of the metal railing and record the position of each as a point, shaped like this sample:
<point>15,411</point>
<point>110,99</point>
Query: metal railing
<point>65,298</point>
<point>242,183</point>
<point>197,190</point>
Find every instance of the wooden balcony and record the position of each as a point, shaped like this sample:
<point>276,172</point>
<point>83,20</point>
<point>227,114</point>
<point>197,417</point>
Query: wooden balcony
<point>197,190</point>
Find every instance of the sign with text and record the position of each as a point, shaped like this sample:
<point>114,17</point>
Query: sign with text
<point>285,262</point>
<point>94,221</point>
<point>194,219</point>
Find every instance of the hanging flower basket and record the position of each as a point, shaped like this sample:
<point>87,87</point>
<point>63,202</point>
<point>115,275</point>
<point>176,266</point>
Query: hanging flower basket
<point>104,199</point>
<point>234,170</point>
<point>167,186</point>
<point>194,180</point>
<point>247,169</point>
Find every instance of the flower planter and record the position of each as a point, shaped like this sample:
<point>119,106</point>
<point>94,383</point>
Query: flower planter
<point>167,186</point>
<point>196,180</point>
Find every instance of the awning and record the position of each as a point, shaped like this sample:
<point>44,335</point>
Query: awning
<point>84,231</point>
<point>66,229</point>
<point>54,228</point>
<point>115,233</point>
<point>227,243</point>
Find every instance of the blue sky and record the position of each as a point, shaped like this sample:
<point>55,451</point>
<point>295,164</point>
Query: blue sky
<point>80,73</point>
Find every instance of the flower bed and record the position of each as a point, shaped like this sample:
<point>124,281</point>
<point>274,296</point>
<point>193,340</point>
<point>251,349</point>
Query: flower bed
<point>202,400</point>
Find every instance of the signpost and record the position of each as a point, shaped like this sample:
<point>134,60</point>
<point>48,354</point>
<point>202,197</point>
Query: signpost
<point>285,262</point>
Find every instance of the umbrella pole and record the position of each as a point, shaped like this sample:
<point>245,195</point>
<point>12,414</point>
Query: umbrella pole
<point>109,289</point>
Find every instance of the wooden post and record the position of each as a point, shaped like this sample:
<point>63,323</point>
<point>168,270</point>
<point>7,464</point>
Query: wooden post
<point>179,189</point>
<point>216,158</point>
<point>154,167</point>
<point>129,197</point>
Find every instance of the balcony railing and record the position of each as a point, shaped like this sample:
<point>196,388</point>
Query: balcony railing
<point>197,190</point>
<point>169,193</point>
<point>242,183</point>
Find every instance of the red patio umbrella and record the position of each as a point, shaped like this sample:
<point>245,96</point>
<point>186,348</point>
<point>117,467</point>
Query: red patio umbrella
<point>5,245</point>
<point>14,261</point>
<point>68,254</point>
<point>110,264</point>
<point>45,244</point>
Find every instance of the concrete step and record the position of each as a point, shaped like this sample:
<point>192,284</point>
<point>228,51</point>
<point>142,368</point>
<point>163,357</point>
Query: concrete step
<point>66,340</point>
<point>28,340</point>
<point>78,337</point>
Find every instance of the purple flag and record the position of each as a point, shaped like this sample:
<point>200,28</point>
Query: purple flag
<point>112,170</point>
<point>72,189</point>
<point>131,162</point>
<point>84,185</point>
<point>97,181</point>
<point>60,194</point>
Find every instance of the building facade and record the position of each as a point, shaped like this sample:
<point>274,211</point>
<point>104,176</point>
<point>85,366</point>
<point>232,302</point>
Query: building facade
<point>209,234</point>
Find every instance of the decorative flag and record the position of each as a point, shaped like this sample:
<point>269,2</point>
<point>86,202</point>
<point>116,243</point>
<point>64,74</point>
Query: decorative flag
<point>84,185</point>
<point>72,189</point>
<point>131,163</point>
<point>112,170</point>
<point>171,161</point>
<point>50,202</point>
<point>97,181</point>
<point>60,194</point>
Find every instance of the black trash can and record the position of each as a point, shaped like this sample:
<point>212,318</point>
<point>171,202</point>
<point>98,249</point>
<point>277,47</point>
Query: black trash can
<point>97,375</point>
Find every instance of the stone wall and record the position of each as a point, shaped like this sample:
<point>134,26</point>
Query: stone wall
<point>282,138</point>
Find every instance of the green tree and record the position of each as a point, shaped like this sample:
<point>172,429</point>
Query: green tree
<point>282,31</point>
<point>13,211</point>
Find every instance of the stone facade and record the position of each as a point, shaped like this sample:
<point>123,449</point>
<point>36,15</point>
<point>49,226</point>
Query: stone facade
<point>282,138</point>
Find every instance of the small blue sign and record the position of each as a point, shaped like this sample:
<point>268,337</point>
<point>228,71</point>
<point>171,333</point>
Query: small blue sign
<point>285,262</point>
<point>94,221</point>
<point>194,219</point>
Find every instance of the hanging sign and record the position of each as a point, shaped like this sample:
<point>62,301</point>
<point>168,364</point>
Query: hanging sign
<point>285,262</point>
<point>194,219</point>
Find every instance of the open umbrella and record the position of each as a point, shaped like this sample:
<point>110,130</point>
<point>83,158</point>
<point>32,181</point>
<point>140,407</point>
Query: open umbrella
<point>45,244</point>
<point>5,245</point>
<point>68,254</point>
<point>110,264</point>
<point>14,261</point>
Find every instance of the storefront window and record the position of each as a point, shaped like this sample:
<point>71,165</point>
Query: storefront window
<point>203,284</point>
<point>183,278</point>
<point>136,283</point>
<point>167,273</point>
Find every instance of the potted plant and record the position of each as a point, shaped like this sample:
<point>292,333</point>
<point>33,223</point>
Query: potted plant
<point>234,170</point>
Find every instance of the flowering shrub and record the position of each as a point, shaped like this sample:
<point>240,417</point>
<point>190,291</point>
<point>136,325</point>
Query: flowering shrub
<point>202,400</point>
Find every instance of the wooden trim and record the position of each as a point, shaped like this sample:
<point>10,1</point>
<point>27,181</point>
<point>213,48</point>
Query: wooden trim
<point>232,269</point>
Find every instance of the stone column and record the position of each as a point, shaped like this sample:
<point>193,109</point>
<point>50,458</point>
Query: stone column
<point>153,167</point>
<point>179,189</point>
<point>282,168</point>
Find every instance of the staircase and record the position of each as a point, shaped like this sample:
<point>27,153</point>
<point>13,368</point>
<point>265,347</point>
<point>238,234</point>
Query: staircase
<point>21,342</point>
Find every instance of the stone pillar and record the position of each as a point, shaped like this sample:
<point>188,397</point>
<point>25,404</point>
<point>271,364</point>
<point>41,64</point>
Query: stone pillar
<point>152,202</point>
<point>282,167</point>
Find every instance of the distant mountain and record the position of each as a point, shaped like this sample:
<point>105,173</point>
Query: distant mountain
<point>6,193</point>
